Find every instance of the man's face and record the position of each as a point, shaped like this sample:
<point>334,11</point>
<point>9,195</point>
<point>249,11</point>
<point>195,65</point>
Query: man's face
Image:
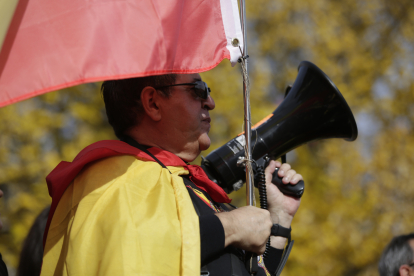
<point>186,118</point>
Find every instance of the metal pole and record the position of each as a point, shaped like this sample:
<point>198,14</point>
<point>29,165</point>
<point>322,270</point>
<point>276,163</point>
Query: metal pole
<point>251,257</point>
<point>247,117</point>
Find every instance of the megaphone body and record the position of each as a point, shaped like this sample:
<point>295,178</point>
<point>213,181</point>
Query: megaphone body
<point>313,109</point>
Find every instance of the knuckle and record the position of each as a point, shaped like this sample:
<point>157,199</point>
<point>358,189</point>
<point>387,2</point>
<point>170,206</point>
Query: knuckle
<point>286,166</point>
<point>261,250</point>
<point>297,177</point>
<point>290,173</point>
<point>265,211</point>
<point>270,224</point>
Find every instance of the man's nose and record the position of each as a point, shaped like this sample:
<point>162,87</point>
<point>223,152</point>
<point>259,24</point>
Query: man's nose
<point>209,104</point>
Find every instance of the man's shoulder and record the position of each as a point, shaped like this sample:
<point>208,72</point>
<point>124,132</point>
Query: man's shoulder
<point>106,148</point>
<point>108,159</point>
<point>123,174</point>
<point>115,167</point>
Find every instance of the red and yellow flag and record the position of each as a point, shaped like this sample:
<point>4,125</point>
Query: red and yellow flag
<point>51,44</point>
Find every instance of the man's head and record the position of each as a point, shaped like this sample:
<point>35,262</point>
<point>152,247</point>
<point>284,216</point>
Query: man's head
<point>170,115</point>
<point>398,257</point>
<point>123,100</point>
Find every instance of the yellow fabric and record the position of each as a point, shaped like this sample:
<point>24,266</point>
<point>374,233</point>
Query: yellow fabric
<point>124,216</point>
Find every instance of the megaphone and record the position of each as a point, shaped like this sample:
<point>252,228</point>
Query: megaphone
<point>313,109</point>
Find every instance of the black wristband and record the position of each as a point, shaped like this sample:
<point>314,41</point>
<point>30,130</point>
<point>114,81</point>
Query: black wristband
<point>280,231</point>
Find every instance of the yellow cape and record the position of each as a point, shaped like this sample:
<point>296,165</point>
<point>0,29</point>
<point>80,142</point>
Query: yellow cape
<point>124,216</point>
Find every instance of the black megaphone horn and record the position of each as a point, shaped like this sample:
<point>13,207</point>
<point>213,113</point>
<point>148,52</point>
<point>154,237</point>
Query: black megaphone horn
<point>313,109</point>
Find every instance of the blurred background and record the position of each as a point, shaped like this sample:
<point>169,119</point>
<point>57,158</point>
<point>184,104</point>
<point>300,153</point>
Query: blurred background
<point>358,195</point>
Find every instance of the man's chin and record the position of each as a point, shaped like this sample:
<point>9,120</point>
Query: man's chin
<point>204,142</point>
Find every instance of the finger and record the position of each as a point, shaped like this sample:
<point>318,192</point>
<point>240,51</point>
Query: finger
<point>262,249</point>
<point>278,164</point>
<point>296,178</point>
<point>259,249</point>
<point>271,167</point>
<point>288,176</point>
<point>283,169</point>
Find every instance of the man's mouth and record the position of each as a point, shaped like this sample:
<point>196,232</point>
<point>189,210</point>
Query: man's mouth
<point>208,120</point>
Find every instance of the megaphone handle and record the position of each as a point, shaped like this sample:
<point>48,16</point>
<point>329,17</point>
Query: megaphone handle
<point>288,189</point>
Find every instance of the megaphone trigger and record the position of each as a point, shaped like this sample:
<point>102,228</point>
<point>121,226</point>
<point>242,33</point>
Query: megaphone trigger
<point>296,190</point>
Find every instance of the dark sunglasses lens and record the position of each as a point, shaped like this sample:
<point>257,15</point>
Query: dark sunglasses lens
<point>201,89</point>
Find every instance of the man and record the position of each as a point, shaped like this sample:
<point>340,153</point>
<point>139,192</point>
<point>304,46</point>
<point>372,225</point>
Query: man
<point>137,208</point>
<point>3,267</point>
<point>31,254</point>
<point>398,257</point>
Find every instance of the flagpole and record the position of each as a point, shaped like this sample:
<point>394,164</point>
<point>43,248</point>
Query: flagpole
<point>251,258</point>
<point>247,117</point>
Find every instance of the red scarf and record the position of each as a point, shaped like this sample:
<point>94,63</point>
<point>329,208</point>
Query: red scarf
<point>64,173</point>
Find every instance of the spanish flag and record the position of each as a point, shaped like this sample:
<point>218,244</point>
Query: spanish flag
<point>115,211</point>
<point>48,45</point>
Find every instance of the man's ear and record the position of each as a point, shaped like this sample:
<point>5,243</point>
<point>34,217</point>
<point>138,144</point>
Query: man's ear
<point>149,100</point>
<point>404,270</point>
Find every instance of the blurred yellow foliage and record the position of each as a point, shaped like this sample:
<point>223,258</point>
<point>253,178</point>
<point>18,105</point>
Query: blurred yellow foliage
<point>358,195</point>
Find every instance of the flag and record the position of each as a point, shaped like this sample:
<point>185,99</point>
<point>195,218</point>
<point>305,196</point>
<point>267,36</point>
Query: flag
<point>52,44</point>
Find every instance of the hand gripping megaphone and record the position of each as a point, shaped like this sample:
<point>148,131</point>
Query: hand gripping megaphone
<point>313,109</point>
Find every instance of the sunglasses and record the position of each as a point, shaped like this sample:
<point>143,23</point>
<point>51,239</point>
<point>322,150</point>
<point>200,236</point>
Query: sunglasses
<point>200,88</point>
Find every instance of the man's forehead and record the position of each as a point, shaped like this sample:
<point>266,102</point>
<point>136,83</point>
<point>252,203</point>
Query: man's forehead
<point>187,78</point>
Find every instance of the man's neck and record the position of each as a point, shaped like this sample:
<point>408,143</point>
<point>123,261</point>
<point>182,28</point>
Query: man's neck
<point>151,139</point>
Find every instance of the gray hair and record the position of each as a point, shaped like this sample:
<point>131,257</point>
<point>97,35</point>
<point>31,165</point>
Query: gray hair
<point>123,99</point>
<point>397,253</point>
